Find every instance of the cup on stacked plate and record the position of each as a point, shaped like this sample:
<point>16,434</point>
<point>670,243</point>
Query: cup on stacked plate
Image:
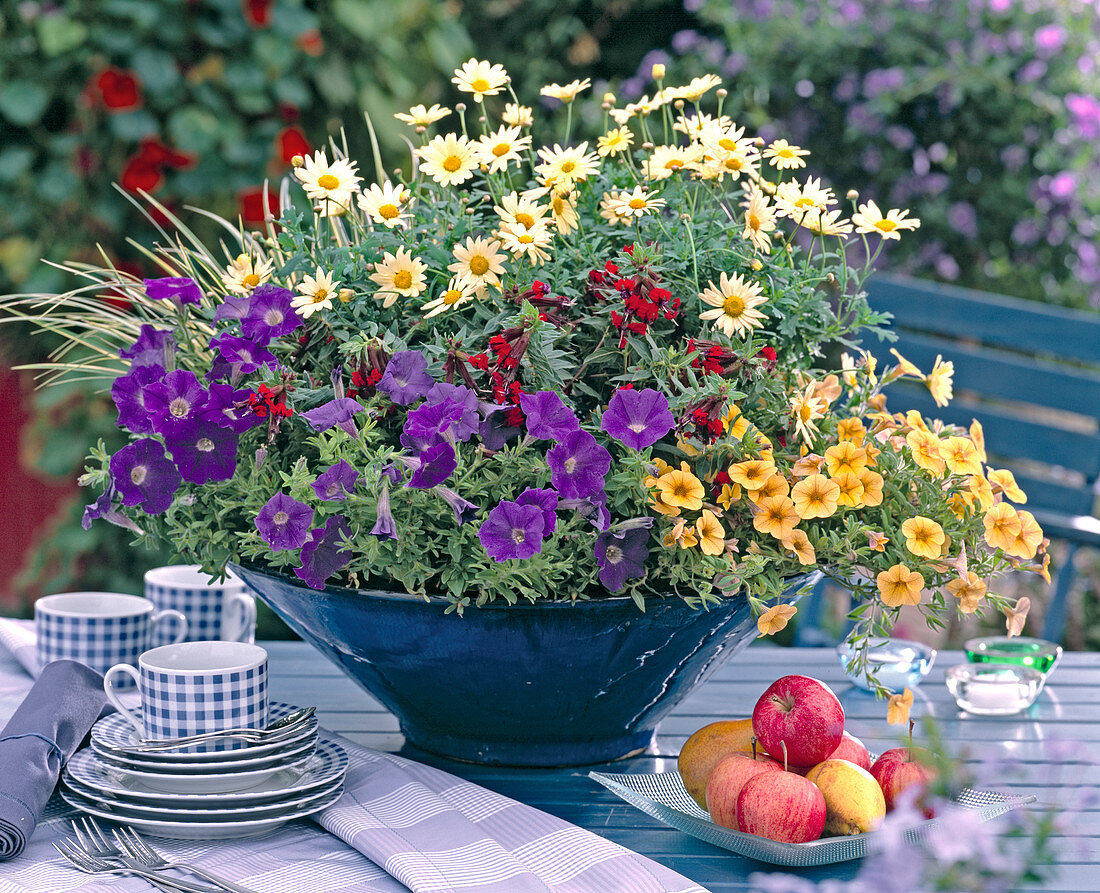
<point>214,609</point>
<point>225,786</point>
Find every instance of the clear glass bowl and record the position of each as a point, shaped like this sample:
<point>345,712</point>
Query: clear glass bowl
<point>1020,651</point>
<point>898,663</point>
<point>986,689</point>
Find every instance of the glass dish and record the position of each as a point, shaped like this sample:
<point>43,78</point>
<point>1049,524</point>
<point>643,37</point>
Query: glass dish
<point>994,689</point>
<point>898,663</point>
<point>1038,654</point>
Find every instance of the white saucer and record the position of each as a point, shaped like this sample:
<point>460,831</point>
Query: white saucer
<point>278,759</point>
<point>326,764</point>
<point>184,830</point>
<point>115,733</point>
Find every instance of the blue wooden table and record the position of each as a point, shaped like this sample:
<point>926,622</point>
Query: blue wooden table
<point>1067,710</point>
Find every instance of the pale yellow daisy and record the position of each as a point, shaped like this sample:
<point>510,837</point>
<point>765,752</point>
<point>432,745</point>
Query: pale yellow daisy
<point>805,408</point>
<point>419,116</point>
<point>563,210</point>
<point>384,204</point>
<point>795,200</point>
<point>479,263</point>
<point>480,78</point>
<point>608,207</point>
<point>449,159</point>
<point>566,166</point>
<point>870,219</point>
<point>616,140</point>
<point>457,293</point>
<point>698,125</point>
<point>637,203</point>
<point>735,301</point>
<point>399,275</point>
<point>329,183</point>
<point>759,221</point>
<point>518,115</point>
<point>516,208</point>
<point>668,160</point>
<point>244,273</point>
<point>315,293</point>
<point>827,223</point>
<point>566,93</point>
<point>502,146</point>
<point>531,242</point>
<point>784,156</point>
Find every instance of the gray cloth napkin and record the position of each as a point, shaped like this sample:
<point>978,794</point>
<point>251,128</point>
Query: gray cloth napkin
<point>42,734</point>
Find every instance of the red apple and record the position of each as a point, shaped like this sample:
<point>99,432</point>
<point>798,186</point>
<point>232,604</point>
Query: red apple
<point>899,769</point>
<point>726,780</point>
<point>805,714</point>
<point>781,806</point>
<point>852,750</point>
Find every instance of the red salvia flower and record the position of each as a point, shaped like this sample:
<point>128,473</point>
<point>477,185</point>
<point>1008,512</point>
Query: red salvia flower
<point>119,90</point>
<point>257,12</point>
<point>140,175</point>
<point>292,141</point>
<point>251,205</point>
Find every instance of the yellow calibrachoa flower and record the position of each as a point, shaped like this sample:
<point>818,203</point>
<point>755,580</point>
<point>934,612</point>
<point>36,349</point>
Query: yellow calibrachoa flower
<point>870,219</point>
<point>815,497</point>
<point>977,435</point>
<point>960,455</point>
<point>419,116</point>
<point>479,262</point>
<point>1029,538</point>
<point>900,586</point>
<point>734,423</point>
<point>776,516</point>
<point>449,159</point>
<point>968,590</point>
<point>735,301</point>
<point>1002,526</point>
<point>1004,481</point>
<point>480,78</point>
<point>751,474</point>
<point>776,485</point>
<point>898,707</point>
<point>682,535</point>
<point>399,274</point>
<point>923,537</point>
<point>616,140</point>
<point>681,489</point>
<point>799,543</point>
<point>876,541</point>
<point>873,483</point>
<point>655,497</point>
<point>845,456</point>
<point>729,494</point>
<point>925,448</point>
<point>1016,617</point>
<point>384,204</point>
<point>904,367</point>
<point>851,431</point>
<point>851,489</point>
<point>809,464</point>
<point>980,489</point>
<point>712,538</point>
<point>939,381</point>
<point>784,156</point>
<point>775,619</point>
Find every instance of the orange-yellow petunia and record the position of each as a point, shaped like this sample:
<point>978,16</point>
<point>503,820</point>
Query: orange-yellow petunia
<point>1016,617</point>
<point>977,436</point>
<point>923,537</point>
<point>873,483</point>
<point>807,465</point>
<point>925,449</point>
<point>774,619</point>
<point>961,455</point>
<point>904,367</point>
<point>1004,481</point>
<point>734,423</point>
<point>1030,536</point>
<point>877,540</point>
<point>852,430</point>
<point>682,534</point>
<point>845,456</point>
<point>681,489</point>
<point>712,538</point>
<point>981,491</point>
<point>899,586</point>
<point>776,485</point>
<point>655,500</point>
<point>728,495</point>
<point>776,516</point>
<point>872,454</point>
<point>851,489</point>
<point>815,497</point>
<point>1002,526</point>
<point>968,590</point>
<point>800,544</point>
<point>751,474</point>
<point>898,707</point>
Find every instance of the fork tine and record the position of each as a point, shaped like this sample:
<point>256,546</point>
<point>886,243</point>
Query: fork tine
<point>139,841</point>
<point>122,838</point>
<point>98,835</point>
<point>85,843</point>
<point>75,855</point>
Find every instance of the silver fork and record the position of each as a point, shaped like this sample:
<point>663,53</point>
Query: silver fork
<point>90,864</point>
<point>141,852</point>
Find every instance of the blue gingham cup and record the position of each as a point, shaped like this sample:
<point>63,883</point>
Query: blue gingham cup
<point>214,610</point>
<point>195,687</point>
<point>100,629</point>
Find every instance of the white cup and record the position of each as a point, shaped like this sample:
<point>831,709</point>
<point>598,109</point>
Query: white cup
<point>215,610</point>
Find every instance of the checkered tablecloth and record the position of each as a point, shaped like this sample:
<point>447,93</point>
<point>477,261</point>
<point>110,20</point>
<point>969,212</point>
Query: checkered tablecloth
<point>400,826</point>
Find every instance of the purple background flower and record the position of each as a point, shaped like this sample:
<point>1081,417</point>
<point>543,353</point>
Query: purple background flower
<point>203,452</point>
<point>325,553</point>
<point>175,401</point>
<point>238,356</point>
<point>269,315</point>
<point>153,347</point>
<point>284,522</point>
<point>437,463</point>
<point>227,407</point>
<point>547,501</point>
<point>406,378</point>
<point>464,509</point>
<point>547,417</point>
<point>512,531</point>
<point>336,483</point>
<point>637,418</point>
<point>128,392</point>
<point>621,556</point>
<point>335,412</point>
<point>143,475</point>
<point>384,525</point>
<point>178,289</point>
<point>578,465</point>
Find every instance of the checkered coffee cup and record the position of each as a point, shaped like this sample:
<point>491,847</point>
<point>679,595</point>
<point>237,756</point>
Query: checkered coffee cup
<point>100,629</point>
<point>195,687</point>
<point>214,610</point>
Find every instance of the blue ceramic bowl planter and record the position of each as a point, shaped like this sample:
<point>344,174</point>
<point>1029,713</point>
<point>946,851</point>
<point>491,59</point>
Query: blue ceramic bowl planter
<point>552,684</point>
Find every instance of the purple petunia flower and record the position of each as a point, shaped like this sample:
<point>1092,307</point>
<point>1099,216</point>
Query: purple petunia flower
<point>547,417</point>
<point>104,508</point>
<point>284,522</point>
<point>143,475</point>
<point>621,555</point>
<point>154,347</point>
<point>238,356</point>
<point>128,392</point>
<point>437,463</point>
<point>269,315</point>
<point>433,423</point>
<point>495,431</point>
<point>592,507</point>
<point>406,377</point>
<point>175,401</point>
<point>512,531</point>
<point>178,289</point>
<point>462,405</point>
<point>384,525</point>
<point>231,307</point>
<point>464,509</point>
<point>337,483</point>
<point>325,553</point>
<point>638,418</point>
<point>228,407</point>
<point>578,465</point>
<point>340,412</point>
<point>203,452</point>
<point>547,501</point>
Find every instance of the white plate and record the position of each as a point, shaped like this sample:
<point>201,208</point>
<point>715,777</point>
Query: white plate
<point>276,760</point>
<point>326,764</point>
<point>114,733</point>
<point>200,830</point>
<point>123,809</point>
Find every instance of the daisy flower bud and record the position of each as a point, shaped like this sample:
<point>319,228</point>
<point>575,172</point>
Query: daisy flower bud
<point>658,71</point>
<point>721,92</point>
<point>609,98</point>
<point>853,194</point>
<point>345,295</point>
<point>460,107</point>
<point>297,160</point>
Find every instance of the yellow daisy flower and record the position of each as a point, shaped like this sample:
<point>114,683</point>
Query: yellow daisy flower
<point>923,537</point>
<point>419,116</point>
<point>315,293</point>
<point>608,205</point>
<point>869,219</point>
<point>518,115</point>
<point>968,590</point>
<point>694,90</point>
<point>244,273</point>
<point>712,538</point>
<point>784,156</point>
<point>1002,526</point>
<point>827,223</point>
<point>515,208</point>
<point>815,497</point>
<point>523,241</point>
<point>572,164</point>
<point>898,707</point>
<point>751,474</point>
<point>735,301</point>
<point>939,381</point>
<point>501,146</point>
<point>775,619</point>
<point>563,211</point>
<point>960,455</point>
<point>776,516</point>
<point>479,262</point>
<point>457,293</point>
<point>637,203</point>
<point>805,408</point>
<point>796,200</point>
<point>397,275</point>
<point>759,221</point>
<point>681,489</point>
<point>384,204</point>
<point>664,161</point>
<point>480,78</point>
<point>566,93</point>
<point>449,159</point>
<point>899,586</point>
<point>329,183</point>
<point>616,140</point>
<point>800,544</point>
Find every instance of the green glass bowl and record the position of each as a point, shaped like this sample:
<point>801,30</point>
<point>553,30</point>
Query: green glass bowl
<point>1019,651</point>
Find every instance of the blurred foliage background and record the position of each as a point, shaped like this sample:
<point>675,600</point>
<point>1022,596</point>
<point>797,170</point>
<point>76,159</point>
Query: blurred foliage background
<point>982,116</point>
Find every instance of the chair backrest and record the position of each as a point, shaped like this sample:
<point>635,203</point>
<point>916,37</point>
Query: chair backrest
<point>1029,372</point>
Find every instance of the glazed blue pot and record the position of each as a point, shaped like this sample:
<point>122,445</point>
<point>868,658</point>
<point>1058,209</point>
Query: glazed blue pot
<point>552,684</point>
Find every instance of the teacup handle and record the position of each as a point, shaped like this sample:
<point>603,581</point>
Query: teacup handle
<point>112,695</point>
<point>181,624</point>
<point>244,609</point>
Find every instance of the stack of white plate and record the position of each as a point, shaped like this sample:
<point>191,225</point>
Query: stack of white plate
<point>240,791</point>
